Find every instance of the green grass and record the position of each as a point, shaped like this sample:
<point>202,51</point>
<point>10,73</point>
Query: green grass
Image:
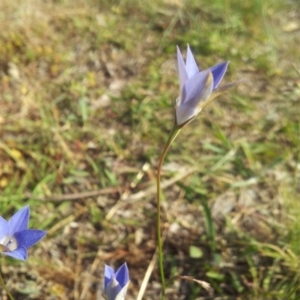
<point>86,95</point>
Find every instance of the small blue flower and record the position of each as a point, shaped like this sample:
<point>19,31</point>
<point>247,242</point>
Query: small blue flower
<point>116,283</point>
<point>196,87</point>
<point>15,237</point>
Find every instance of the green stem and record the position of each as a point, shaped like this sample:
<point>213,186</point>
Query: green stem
<point>2,283</point>
<point>173,134</point>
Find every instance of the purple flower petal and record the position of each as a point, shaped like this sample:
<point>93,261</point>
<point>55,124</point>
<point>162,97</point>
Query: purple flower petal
<point>183,75</point>
<point>15,236</point>
<point>19,253</point>
<point>112,289</point>
<point>218,72</point>
<point>19,221</point>
<point>191,65</point>
<point>116,283</point>
<point>4,228</point>
<point>196,91</point>
<point>197,87</point>
<point>184,113</point>
<point>122,275</point>
<point>122,293</point>
<point>108,274</point>
<point>29,237</point>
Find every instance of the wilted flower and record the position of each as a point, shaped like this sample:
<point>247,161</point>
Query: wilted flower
<point>116,283</point>
<point>196,87</point>
<point>15,237</point>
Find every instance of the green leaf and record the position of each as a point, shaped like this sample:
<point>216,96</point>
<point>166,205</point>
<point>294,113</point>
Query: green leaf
<point>195,252</point>
<point>215,275</point>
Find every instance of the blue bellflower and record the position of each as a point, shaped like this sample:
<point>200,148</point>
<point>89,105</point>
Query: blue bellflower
<point>116,283</point>
<point>15,237</point>
<point>197,88</point>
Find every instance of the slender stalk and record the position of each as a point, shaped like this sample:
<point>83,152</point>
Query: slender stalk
<point>173,134</point>
<point>2,283</point>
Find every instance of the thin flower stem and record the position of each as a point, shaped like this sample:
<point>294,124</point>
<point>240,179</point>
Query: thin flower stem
<point>173,134</point>
<point>2,283</point>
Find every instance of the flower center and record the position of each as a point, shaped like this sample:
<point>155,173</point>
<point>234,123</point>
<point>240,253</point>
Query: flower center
<point>9,243</point>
